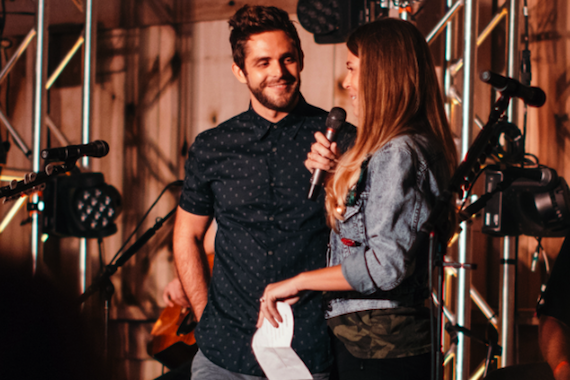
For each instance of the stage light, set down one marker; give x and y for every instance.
(536, 204)
(81, 205)
(330, 20)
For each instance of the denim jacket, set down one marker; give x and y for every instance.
(373, 245)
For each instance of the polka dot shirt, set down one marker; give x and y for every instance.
(249, 174)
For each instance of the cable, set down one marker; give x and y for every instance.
(172, 184)
(101, 261)
(470, 188)
(526, 72)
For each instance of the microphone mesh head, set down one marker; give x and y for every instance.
(336, 118)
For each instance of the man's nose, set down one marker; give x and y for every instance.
(277, 69)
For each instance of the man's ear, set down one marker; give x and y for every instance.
(238, 73)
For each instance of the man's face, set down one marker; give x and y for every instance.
(272, 70)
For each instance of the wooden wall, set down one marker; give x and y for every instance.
(158, 84)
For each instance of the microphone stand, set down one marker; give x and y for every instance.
(103, 282)
(33, 182)
(435, 224)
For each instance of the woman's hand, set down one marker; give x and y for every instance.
(324, 279)
(174, 294)
(286, 291)
(323, 154)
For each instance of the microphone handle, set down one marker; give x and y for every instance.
(319, 175)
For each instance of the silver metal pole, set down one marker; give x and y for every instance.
(85, 123)
(508, 278)
(507, 304)
(449, 50)
(15, 135)
(513, 54)
(479, 301)
(37, 126)
(463, 314)
(446, 18)
(65, 61)
(87, 80)
(21, 49)
(482, 37)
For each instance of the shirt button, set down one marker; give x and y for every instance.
(270, 253)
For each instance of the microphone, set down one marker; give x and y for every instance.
(334, 123)
(532, 96)
(98, 148)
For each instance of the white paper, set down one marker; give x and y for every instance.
(272, 349)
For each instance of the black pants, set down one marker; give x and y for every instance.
(349, 367)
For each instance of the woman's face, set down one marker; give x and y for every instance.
(350, 83)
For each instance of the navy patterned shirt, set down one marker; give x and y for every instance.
(249, 174)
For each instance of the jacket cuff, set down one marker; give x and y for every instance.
(355, 271)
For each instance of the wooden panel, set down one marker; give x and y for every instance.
(548, 131)
(207, 10)
(112, 14)
(218, 95)
(317, 77)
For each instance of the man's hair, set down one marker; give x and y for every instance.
(250, 20)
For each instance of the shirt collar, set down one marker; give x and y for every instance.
(290, 123)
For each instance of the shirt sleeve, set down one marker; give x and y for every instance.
(396, 204)
(196, 197)
(555, 300)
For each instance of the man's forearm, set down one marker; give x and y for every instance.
(190, 258)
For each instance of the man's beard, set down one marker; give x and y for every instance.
(281, 103)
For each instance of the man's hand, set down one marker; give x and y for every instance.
(323, 154)
(174, 294)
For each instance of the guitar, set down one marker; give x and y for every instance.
(173, 342)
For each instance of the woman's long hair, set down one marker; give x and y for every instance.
(398, 94)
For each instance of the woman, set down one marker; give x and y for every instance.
(380, 193)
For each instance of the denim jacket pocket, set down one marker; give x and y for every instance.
(352, 226)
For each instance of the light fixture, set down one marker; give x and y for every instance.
(81, 205)
(536, 204)
(331, 21)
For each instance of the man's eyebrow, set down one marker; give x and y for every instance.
(289, 54)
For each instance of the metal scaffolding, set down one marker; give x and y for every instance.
(41, 85)
(510, 12)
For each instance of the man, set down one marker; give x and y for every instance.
(554, 312)
(249, 173)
